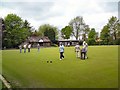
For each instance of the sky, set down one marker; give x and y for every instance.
(59, 12)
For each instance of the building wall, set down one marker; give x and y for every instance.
(44, 44)
(47, 44)
(66, 43)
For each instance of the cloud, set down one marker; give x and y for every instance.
(59, 12)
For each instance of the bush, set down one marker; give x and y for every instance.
(91, 41)
(54, 45)
(110, 43)
(116, 42)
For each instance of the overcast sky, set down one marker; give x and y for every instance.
(59, 12)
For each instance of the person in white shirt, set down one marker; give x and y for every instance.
(77, 50)
(20, 47)
(86, 49)
(38, 46)
(25, 46)
(61, 49)
(29, 46)
(84, 43)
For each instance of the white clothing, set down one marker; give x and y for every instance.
(84, 43)
(25, 46)
(61, 48)
(29, 46)
(77, 48)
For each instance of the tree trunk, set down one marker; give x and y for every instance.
(115, 36)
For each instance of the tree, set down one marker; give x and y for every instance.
(28, 27)
(78, 26)
(1, 30)
(36, 33)
(92, 37)
(97, 36)
(86, 30)
(113, 24)
(16, 31)
(66, 32)
(110, 33)
(92, 33)
(49, 31)
(105, 34)
(118, 30)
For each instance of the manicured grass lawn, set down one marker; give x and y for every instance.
(32, 70)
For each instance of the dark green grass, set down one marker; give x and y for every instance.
(32, 70)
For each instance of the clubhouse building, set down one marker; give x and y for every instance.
(34, 40)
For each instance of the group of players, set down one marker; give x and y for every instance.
(81, 53)
(28, 46)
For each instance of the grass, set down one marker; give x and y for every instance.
(31, 70)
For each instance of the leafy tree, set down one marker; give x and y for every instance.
(28, 27)
(97, 36)
(85, 32)
(118, 30)
(78, 26)
(113, 24)
(66, 32)
(16, 31)
(1, 29)
(36, 33)
(105, 34)
(110, 33)
(92, 33)
(92, 37)
(49, 31)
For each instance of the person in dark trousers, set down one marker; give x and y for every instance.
(25, 46)
(38, 46)
(20, 47)
(61, 49)
(29, 46)
(86, 49)
(83, 53)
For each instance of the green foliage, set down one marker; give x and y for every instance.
(92, 33)
(113, 26)
(66, 32)
(86, 32)
(50, 34)
(91, 41)
(110, 33)
(76, 25)
(92, 37)
(54, 45)
(16, 31)
(105, 34)
(49, 31)
(37, 33)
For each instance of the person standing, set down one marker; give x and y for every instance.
(38, 46)
(61, 49)
(20, 47)
(29, 46)
(84, 43)
(77, 50)
(25, 46)
(83, 52)
(86, 49)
